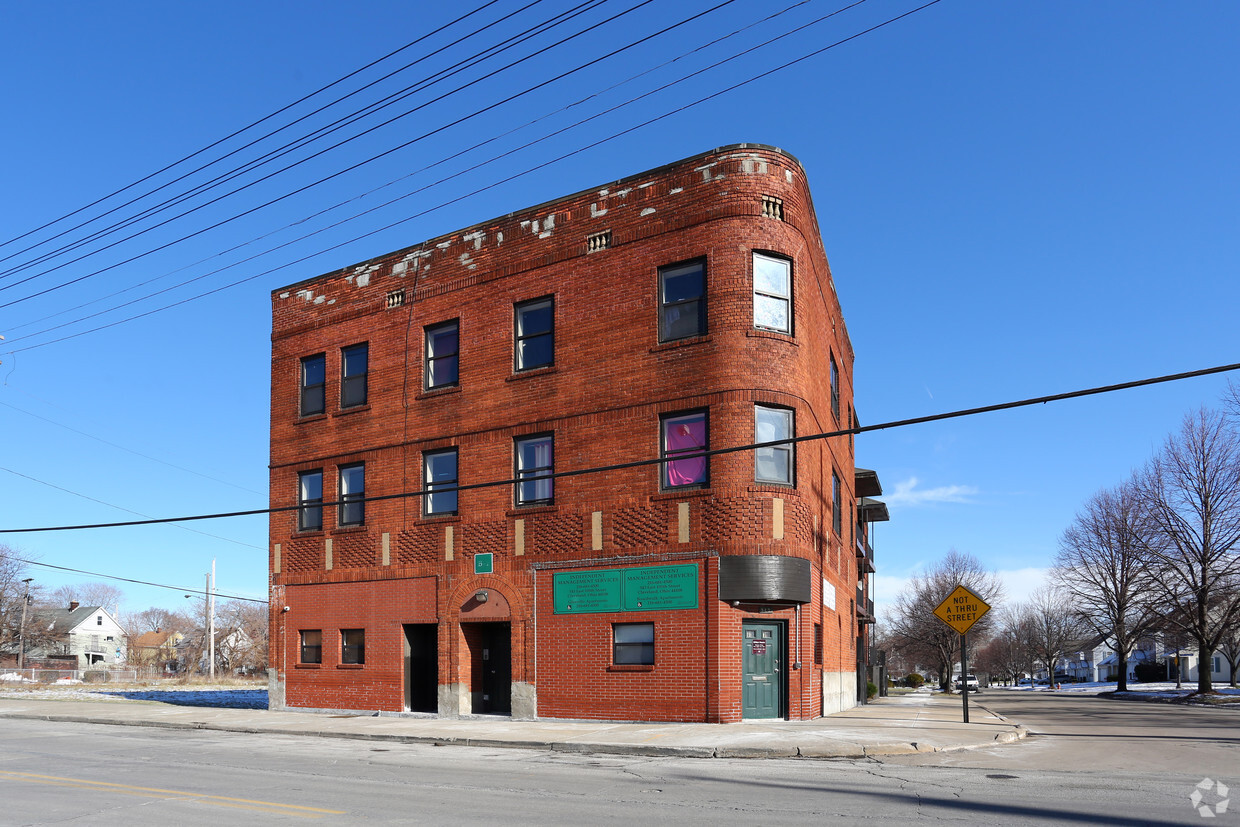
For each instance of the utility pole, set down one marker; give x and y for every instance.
(21, 632)
(211, 615)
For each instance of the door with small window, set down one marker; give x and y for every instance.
(762, 682)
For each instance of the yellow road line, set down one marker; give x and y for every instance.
(156, 792)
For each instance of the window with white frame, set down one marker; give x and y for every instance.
(535, 464)
(772, 293)
(777, 462)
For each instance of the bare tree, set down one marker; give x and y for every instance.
(914, 627)
(12, 595)
(1051, 626)
(1101, 569)
(1191, 492)
(91, 594)
(155, 619)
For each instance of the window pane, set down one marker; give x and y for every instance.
(535, 352)
(773, 464)
(770, 312)
(352, 492)
(311, 646)
(534, 317)
(684, 434)
(770, 275)
(535, 464)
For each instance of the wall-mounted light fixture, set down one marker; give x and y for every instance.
(481, 596)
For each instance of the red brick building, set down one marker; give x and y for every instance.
(429, 407)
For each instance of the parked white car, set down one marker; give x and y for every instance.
(967, 680)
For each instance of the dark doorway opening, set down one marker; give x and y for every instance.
(490, 647)
(422, 667)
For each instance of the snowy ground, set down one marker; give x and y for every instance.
(229, 697)
(1136, 691)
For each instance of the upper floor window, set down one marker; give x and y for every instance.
(353, 370)
(837, 507)
(535, 465)
(535, 334)
(682, 301)
(439, 482)
(353, 494)
(835, 388)
(777, 462)
(310, 500)
(772, 293)
(442, 354)
(313, 382)
(685, 434)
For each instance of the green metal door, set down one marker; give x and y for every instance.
(762, 694)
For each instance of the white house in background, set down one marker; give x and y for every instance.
(1082, 661)
(88, 632)
(1190, 664)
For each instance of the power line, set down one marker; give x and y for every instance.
(182, 589)
(442, 180)
(122, 508)
(298, 143)
(234, 134)
(508, 179)
(319, 153)
(899, 423)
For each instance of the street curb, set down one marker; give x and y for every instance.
(836, 750)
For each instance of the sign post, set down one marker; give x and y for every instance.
(960, 610)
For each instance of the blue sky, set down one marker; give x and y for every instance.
(1017, 199)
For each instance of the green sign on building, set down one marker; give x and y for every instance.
(645, 589)
(484, 563)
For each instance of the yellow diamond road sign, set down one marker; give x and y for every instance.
(961, 609)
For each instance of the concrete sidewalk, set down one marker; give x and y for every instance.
(898, 725)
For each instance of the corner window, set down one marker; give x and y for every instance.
(776, 463)
(535, 465)
(353, 494)
(352, 645)
(353, 370)
(535, 334)
(442, 355)
(682, 301)
(310, 500)
(835, 388)
(772, 293)
(837, 508)
(633, 643)
(311, 646)
(313, 381)
(685, 434)
(439, 482)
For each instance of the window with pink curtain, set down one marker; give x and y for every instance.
(684, 434)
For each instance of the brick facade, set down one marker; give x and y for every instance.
(412, 582)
